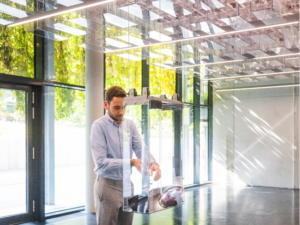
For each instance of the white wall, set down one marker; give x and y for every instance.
(255, 137)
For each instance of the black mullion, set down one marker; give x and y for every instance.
(39, 159)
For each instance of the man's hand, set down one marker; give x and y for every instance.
(137, 163)
(155, 167)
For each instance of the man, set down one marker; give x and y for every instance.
(107, 151)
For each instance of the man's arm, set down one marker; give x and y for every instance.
(99, 152)
(137, 148)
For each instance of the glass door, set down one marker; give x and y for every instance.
(16, 155)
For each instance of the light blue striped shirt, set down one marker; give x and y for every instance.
(107, 146)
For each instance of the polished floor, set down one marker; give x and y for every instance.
(215, 204)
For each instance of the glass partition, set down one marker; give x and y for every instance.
(151, 139)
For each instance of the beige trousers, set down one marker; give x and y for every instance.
(108, 197)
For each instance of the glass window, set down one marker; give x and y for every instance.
(162, 79)
(188, 145)
(12, 152)
(123, 70)
(65, 56)
(187, 85)
(204, 93)
(203, 145)
(16, 50)
(64, 148)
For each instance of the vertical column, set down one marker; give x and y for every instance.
(94, 95)
(177, 123)
(196, 118)
(210, 130)
(38, 124)
(49, 74)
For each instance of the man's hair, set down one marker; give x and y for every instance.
(114, 91)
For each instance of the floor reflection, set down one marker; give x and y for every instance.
(215, 204)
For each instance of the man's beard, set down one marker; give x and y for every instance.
(114, 117)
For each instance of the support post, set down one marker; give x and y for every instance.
(94, 96)
(210, 130)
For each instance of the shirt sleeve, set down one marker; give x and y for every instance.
(99, 152)
(137, 144)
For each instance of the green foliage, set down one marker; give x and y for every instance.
(123, 72)
(69, 105)
(69, 63)
(20, 106)
(69, 58)
(206, 98)
(16, 51)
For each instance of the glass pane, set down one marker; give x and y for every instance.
(12, 152)
(203, 145)
(64, 149)
(124, 69)
(16, 50)
(142, 192)
(188, 145)
(64, 51)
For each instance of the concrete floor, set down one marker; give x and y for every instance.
(215, 204)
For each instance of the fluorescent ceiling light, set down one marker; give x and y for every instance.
(60, 38)
(203, 6)
(165, 6)
(12, 11)
(235, 55)
(20, 2)
(52, 14)
(214, 4)
(115, 43)
(236, 42)
(258, 53)
(69, 3)
(269, 16)
(165, 51)
(159, 36)
(163, 65)
(190, 60)
(237, 23)
(170, 29)
(130, 57)
(151, 55)
(214, 35)
(212, 45)
(136, 10)
(131, 39)
(186, 12)
(186, 33)
(117, 21)
(79, 21)
(209, 28)
(262, 39)
(4, 22)
(281, 50)
(187, 48)
(68, 29)
(261, 87)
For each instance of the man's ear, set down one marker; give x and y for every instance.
(106, 105)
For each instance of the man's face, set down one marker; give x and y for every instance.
(115, 108)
